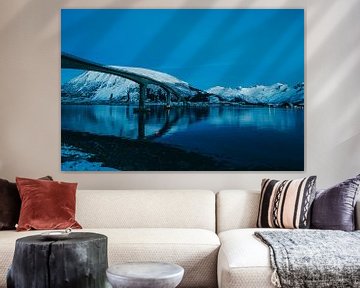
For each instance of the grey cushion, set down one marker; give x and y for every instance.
(334, 208)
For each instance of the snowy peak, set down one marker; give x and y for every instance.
(152, 74)
(276, 94)
(93, 86)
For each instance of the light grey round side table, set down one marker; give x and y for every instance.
(145, 275)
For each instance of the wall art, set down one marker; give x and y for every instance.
(182, 89)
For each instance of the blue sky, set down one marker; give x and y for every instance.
(206, 48)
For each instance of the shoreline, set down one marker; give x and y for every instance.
(111, 153)
(138, 155)
(187, 105)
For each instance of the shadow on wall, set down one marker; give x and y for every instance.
(46, 11)
(324, 40)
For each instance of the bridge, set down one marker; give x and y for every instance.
(134, 74)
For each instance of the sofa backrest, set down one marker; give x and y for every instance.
(236, 209)
(239, 209)
(146, 209)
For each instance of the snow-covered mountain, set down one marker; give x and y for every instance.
(97, 87)
(277, 94)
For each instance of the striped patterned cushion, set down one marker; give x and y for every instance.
(286, 204)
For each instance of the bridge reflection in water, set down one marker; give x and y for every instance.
(169, 120)
(125, 121)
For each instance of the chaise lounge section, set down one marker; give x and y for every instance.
(244, 260)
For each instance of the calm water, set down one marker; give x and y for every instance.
(251, 138)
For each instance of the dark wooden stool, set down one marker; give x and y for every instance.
(78, 261)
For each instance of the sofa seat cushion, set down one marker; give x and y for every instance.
(194, 249)
(244, 261)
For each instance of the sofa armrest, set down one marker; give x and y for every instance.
(357, 215)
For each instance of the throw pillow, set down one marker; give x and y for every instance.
(286, 204)
(46, 204)
(10, 204)
(334, 208)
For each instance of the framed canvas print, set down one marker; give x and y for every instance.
(182, 90)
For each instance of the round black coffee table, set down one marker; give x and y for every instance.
(145, 275)
(80, 260)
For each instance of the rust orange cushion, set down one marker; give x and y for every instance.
(10, 204)
(46, 204)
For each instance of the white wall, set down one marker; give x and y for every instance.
(30, 94)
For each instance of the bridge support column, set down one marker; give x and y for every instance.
(142, 96)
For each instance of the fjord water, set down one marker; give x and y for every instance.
(245, 138)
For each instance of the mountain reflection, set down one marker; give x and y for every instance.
(124, 121)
